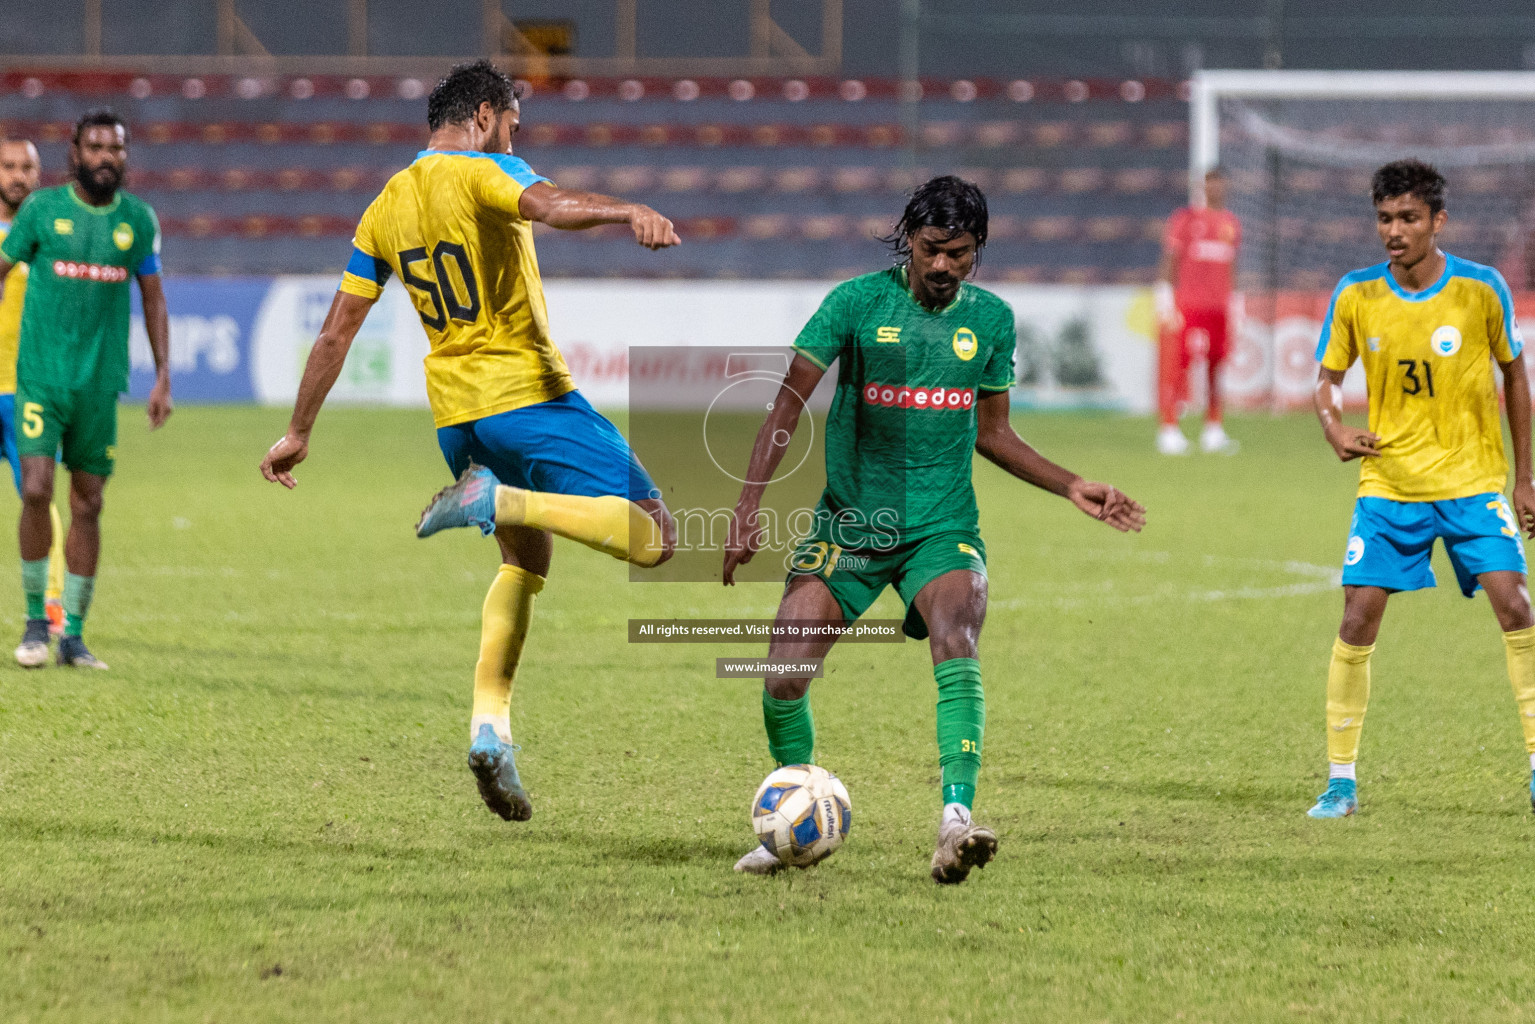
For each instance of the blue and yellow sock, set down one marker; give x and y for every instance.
(610, 524)
(504, 621)
(1348, 697)
(1519, 647)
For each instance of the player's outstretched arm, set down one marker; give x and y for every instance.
(744, 535)
(998, 442)
(1516, 392)
(347, 312)
(157, 324)
(1349, 442)
(570, 210)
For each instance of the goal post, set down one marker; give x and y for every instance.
(1298, 149)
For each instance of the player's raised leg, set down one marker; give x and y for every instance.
(635, 531)
(504, 622)
(953, 606)
(35, 537)
(1348, 697)
(786, 702)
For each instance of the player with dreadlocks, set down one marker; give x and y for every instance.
(925, 361)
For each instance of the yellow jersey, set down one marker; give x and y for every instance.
(1428, 368)
(449, 226)
(10, 319)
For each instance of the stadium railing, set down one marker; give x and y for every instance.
(766, 177)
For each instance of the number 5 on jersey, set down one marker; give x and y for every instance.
(32, 419)
(442, 290)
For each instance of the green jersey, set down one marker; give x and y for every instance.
(901, 431)
(74, 328)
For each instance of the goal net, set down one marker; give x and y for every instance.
(1298, 149)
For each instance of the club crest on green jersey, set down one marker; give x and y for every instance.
(1446, 340)
(122, 236)
(965, 344)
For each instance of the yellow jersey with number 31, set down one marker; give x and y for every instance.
(1427, 359)
(449, 226)
(10, 319)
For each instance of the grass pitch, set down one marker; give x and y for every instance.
(262, 812)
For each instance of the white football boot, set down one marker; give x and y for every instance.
(1170, 441)
(759, 862)
(1213, 440)
(33, 650)
(962, 845)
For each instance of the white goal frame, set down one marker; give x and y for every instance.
(1208, 88)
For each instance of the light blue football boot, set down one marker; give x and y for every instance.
(1532, 791)
(495, 770)
(469, 501)
(1340, 800)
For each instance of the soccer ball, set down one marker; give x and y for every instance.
(801, 814)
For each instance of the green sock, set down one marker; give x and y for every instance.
(77, 601)
(961, 726)
(790, 729)
(34, 583)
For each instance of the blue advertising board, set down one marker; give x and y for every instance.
(213, 326)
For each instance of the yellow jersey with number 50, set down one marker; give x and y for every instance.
(449, 226)
(1428, 359)
(10, 319)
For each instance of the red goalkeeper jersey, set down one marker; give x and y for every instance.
(1203, 244)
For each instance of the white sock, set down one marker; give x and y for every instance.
(1346, 771)
(1532, 762)
(955, 812)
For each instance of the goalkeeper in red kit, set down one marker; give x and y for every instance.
(1194, 300)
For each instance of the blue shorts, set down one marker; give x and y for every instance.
(562, 446)
(8, 436)
(1389, 542)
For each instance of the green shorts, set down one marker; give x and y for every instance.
(80, 424)
(857, 577)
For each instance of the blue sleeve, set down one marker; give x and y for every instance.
(1494, 280)
(1332, 305)
(518, 170)
(1506, 300)
(148, 265)
(369, 268)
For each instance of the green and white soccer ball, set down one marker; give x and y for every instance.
(801, 814)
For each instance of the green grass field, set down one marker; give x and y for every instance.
(262, 812)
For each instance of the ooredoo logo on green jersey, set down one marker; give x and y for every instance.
(899, 396)
(90, 272)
